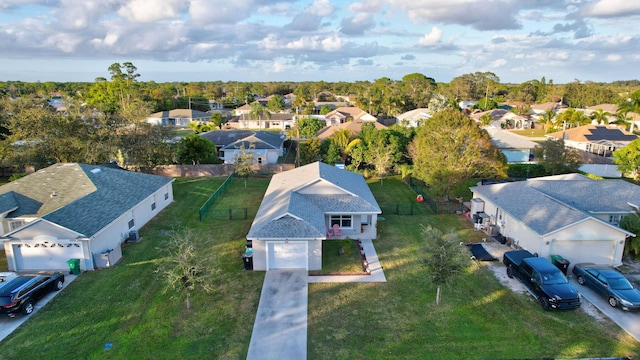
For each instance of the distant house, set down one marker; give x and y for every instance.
(501, 118)
(178, 117)
(570, 215)
(280, 121)
(349, 113)
(354, 127)
(266, 146)
(596, 139)
(516, 148)
(413, 118)
(540, 109)
(68, 211)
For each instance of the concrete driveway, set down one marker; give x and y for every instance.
(280, 328)
(8, 325)
(629, 321)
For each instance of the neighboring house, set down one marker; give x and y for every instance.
(354, 127)
(465, 105)
(571, 215)
(281, 121)
(242, 110)
(266, 146)
(595, 139)
(302, 207)
(539, 109)
(348, 113)
(331, 104)
(178, 117)
(71, 210)
(413, 118)
(516, 148)
(501, 118)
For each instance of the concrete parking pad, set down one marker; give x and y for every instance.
(280, 327)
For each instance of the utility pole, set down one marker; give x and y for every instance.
(297, 162)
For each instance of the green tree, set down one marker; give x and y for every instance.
(310, 151)
(194, 149)
(184, 268)
(419, 89)
(325, 109)
(630, 106)
(631, 223)
(628, 159)
(333, 153)
(437, 103)
(258, 112)
(556, 158)
(572, 117)
(444, 257)
(450, 149)
(547, 120)
(216, 120)
(601, 116)
(243, 163)
(275, 104)
(309, 127)
(485, 119)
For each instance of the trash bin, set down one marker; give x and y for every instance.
(74, 266)
(560, 262)
(248, 261)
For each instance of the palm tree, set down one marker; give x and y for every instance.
(485, 119)
(547, 120)
(601, 116)
(257, 111)
(630, 106)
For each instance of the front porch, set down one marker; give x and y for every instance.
(365, 231)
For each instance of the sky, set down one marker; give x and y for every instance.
(314, 40)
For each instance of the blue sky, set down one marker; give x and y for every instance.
(330, 40)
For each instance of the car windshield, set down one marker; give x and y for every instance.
(553, 278)
(620, 284)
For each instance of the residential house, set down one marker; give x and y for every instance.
(539, 109)
(76, 211)
(571, 215)
(348, 113)
(595, 139)
(280, 121)
(504, 119)
(413, 118)
(306, 206)
(178, 117)
(266, 146)
(516, 148)
(354, 128)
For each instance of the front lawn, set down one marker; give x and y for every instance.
(126, 306)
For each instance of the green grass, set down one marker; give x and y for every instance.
(478, 318)
(336, 262)
(538, 131)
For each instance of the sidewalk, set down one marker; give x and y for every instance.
(377, 274)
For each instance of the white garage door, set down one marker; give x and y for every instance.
(289, 255)
(576, 251)
(55, 257)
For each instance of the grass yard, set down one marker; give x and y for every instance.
(126, 305)
(336, 262)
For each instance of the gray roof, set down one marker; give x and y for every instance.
(225, 137)
(292, 209)
(259, 140)
(79, 197)
(503, 139)
(181, 113)
(546, 206)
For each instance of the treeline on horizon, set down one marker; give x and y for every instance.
(382, 97)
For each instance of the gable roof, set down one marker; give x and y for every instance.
(82, 198)
(290, 210)
(354, 127)
(259, 140)
(546, 206)
(351, 111)
(507, 140)
(594, 133)
(415, 114)
(225, 137)
(181, 113)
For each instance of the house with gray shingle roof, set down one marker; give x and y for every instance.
(71, 210)
(266, 146)
(516, 148)
(572, 216)
(304, 207)
(178, 117)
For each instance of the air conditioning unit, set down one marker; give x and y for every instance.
(133, 236)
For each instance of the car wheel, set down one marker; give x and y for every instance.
(510, 272)
(544, 303)
(59, 285)
(613, 302)
(28, 307)
(580, 279)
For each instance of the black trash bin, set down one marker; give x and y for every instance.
(561, 263)
(248, 261)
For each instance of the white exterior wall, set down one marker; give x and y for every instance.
(260, 254)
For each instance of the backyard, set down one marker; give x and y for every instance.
(127, 307)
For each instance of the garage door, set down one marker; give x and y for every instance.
(598, 252)
(53, 257)
(287, 255)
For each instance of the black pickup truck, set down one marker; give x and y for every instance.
(543, 280)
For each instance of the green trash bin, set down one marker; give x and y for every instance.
(555, 258)
(74, 266)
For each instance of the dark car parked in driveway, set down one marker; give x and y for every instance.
(609, 283)
(22, 293)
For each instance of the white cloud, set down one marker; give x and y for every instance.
(367, 6)
(498, 63)
(330, 43)
(321, 8)
(206, 12)
(146, 11)
(614, 57)
(608, 8)
(431, 39)
(64, 41)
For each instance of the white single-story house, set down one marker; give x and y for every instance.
(178, 117)
(596, 139)
(266, 146)
(76, 211)
(304, 207)
(348, 113)
(569, 215)
(516, 148)
(413, 118)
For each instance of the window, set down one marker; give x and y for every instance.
(153, 206)
(15, 224)
(166, 196)
(615, 219)
(344, 221)
(259, 160)
(131, 224)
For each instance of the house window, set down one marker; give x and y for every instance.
(166, 196)
(15, 224)
(131, 224)
(153, 206)
(259, 160)
(344, 221)
(615, 219)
